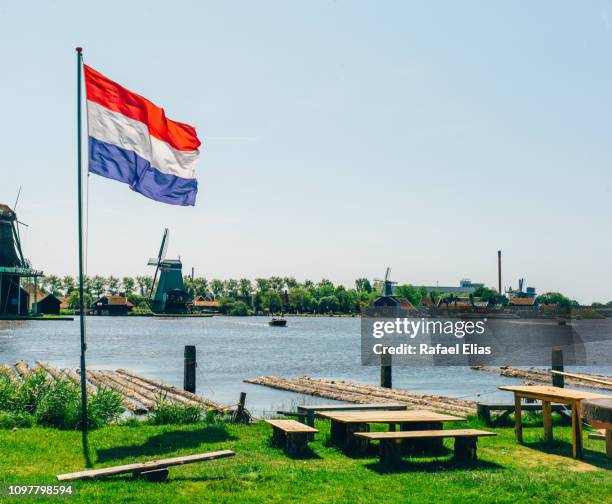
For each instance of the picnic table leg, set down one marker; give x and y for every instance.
(296, 443)
(337, 432)
(547, 415)
(278, 437)
(352, 441)
(608, 435)
(390, 451)
(415, 446)
(518, 420)
(576, 430)
(310, 418)
(465, 449)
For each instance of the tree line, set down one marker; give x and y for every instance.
(272, 295)
(237, 296)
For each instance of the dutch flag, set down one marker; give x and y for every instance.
(131, 140)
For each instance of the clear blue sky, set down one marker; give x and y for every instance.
(340, 137)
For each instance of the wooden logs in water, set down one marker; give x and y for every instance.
(545, 376)
(176, 390)
(9, 371)
(22, 368)
(361, 393)
(101, 380)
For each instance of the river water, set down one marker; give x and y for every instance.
(232, 348)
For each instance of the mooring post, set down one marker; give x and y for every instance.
(189, 378)
(242, 400)
(557, 365)
(385, 371)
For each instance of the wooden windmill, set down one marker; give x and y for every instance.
(168, 294)
(14, 300)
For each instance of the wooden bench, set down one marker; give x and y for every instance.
(291, 435)
(483, 410)
(155, 470)
(391, 442)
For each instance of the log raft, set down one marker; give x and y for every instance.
(545, 376)
(341, 390)
(139, 394)
(9, 371)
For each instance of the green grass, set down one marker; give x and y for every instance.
(506, 472)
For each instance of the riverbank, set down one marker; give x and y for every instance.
(506, 471)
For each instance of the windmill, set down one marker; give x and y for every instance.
(387, 285)
(14, 300)
(386, 298)
(168, 294)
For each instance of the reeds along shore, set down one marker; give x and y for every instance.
(140, 394)
(361, 393)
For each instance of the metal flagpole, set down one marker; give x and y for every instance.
(79, 52)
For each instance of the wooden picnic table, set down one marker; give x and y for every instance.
(311, 409)
(345, 423)
(548, 395)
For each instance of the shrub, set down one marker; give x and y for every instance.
(166, 412)
(104, 407)
(8, 420)
(54, 403)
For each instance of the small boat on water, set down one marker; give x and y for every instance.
(278, 322)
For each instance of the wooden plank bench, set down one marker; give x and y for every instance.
(312, 409)
(152, 470)
(291, 435)
(391, 442)
(483, 410)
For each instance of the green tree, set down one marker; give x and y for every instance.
(329, 304)
(555, 298)
(144, 285)
(216, 288)
(68, 284)
(410, 292)
(231, 288)
(54, 285)
(347, 299)
(98, 286)
(363, 285)
(300, 299)
(245, 287)
(73, 299)
(114, 284)
(271, 302)
(239, 309)
(290, 282)
(325, 288)
(201, 286)
(486, 294)
(277, 283)
(263, 284)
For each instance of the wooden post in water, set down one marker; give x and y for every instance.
(385, 371)
(557, 365)
(189, 377)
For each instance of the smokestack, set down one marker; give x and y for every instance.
(499, 273)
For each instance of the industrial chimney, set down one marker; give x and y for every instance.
(499, 273)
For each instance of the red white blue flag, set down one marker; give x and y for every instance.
(131, 140)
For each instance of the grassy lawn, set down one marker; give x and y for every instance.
(506, 472)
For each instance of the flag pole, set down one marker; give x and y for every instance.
(79, 52)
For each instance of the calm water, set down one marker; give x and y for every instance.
(230, 349)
